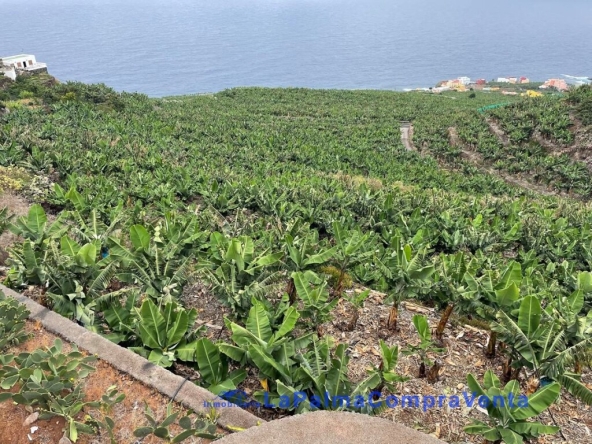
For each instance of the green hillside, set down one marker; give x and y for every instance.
(489, 215)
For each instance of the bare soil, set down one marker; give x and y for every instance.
(18, 206)
(498, 132)
(128, 416)
(464, 354)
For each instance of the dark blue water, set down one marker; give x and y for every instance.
(167, 47)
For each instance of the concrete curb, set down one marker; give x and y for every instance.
(160, 379)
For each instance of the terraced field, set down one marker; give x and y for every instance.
(275, 203)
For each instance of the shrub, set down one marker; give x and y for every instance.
(26, 95)
(13, 178)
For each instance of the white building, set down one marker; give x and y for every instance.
(8, 71)
(21, 62)
(464, 80)
(503, 80)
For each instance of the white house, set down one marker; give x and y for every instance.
(464, 80)
(21, 62)
(503, 80)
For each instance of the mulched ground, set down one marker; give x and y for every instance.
(463, 355)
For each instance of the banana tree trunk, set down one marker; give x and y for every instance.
(444, 321)
(351, 326)
(320, 331)
(490, 351)
(422, 370)
(507, 371)
(578, 366)
(434, 373)
(393, 318)
(291, 290)
(516, 374)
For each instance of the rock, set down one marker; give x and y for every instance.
(31, 419)
(64, 440)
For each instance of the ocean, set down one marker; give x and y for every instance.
(175, 47)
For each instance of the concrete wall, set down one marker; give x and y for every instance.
(9, 72)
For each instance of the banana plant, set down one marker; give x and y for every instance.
(509, 411)
(237, 274)
(167, 333)
(272, 351)
(304, 255)
(35, 227)
(322, 374)
(357, 302)
(496, 293)
(27, 260)
(77, 279)
(120, 320)
(569, 312)
(315, 298)
(213, 368)
(452, 287)
(351, 249)
(425, 349)
(154, 263)
(538, 342)
(387, 369)
(406, 274)
(5, 219)
(93, 229)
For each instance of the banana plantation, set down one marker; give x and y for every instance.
(280, 201)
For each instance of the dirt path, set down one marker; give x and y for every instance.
(495, 129)
(580, 150)
(477, 160)
(407, 136)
